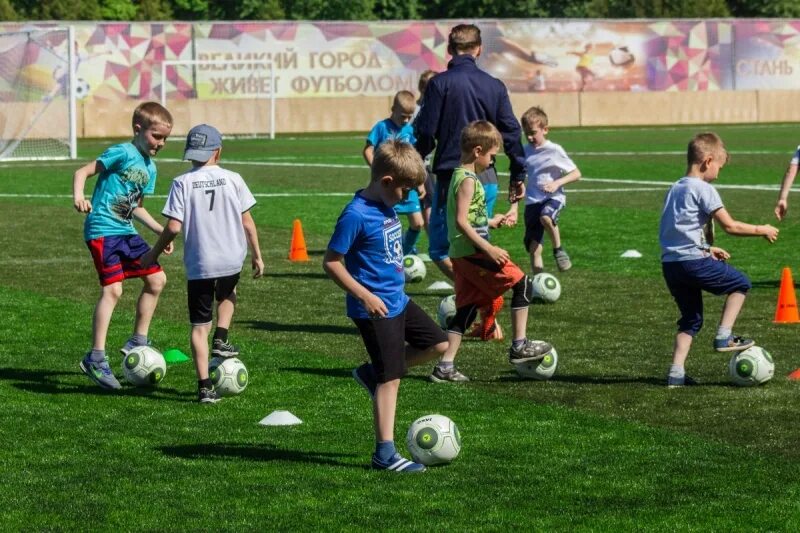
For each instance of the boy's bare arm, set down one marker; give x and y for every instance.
(783, 197)
(734, 227)
(332, 263)
(79, 201)
(164, 242)
(369, 153)
(251, 234)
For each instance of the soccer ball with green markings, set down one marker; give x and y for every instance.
(144, 366)
(751, 367)
(414, 268)
(229, 375)
(446, 310)
(546, 287)
(542, 369)
(433, 440)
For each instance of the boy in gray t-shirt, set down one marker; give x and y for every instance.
(689, 262)
(211, 206)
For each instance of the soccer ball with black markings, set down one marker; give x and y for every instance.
(414, 268)
(433, 440)
(751, 367)
(446, 310)
(229, 375)
(144, 366)
(542, 369)
(546, 287)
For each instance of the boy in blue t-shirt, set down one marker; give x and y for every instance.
(127, 173)
(396, 332)
(689, 262)
(398, 126)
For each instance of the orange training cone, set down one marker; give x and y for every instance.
(794, 375)
(786, 312)
(297, 250)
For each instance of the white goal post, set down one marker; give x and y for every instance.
(38, 94)
(232, 95)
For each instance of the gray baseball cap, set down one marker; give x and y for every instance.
(201, 143)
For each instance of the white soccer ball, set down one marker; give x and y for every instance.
(229, 375)
(82, 88)
(413, 268)
(446, 310)
(621, 56)
(751, 367)
(542, 369)
(144, 366)
(433, 440)
(546, 287)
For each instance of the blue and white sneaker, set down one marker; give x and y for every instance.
(397, 463)
(99, 372)
(733, 343)
(365, 376)
(685, 381)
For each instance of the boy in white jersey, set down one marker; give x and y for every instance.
(788, 179)
(211, 206)
(690, 264)
(549, 168)
(127, 173)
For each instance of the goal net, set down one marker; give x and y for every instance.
(237, 97)
(37, 100)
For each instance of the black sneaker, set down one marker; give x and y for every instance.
(224, 349)
(529, 351)
(208, 396)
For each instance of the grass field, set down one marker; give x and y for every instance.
(603, 446)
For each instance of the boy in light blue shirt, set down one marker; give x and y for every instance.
(398, 126)
(126, 173)
(689, 262)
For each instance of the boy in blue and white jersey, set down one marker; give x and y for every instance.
(396, 332)
(689, 262)
(549, 168)
(126, 174)
(211, 206)
(398, 126)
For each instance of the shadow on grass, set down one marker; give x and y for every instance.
(766, 284)
(328, 372)
(590, 380)
(301, 328)
(48, 382)
(264, 452)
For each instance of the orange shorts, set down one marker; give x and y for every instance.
(479, 280)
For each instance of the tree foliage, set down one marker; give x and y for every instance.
(143, 10)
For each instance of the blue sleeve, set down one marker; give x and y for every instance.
(346, 232)
(512, 132)
(150, 188)
(376, 135)
(427, 121)
(114, 158)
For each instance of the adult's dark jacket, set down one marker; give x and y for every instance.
(460, 95)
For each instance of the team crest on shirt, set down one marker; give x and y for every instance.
(393, 241)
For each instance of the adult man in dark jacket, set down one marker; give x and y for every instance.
(453, 99)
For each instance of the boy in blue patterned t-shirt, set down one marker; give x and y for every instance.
(396, 332)
(127, 173)
(398, 126)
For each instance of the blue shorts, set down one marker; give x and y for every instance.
(534, 230)
(409, 205)
(438, 243)
(686, 281)
(116, 258)
(490, 190)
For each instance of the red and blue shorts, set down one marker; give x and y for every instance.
(116, 257)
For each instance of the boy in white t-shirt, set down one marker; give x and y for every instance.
(689, 262)
(788, 179)
(211, 206)
(549, 168)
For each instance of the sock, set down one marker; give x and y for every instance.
(446, 365)
(205, 384)
(676, 371)
(221, 334)
(98, 356)
(385, 449)
(410, 240)
(723, 333)
(518, 343)
(139, 340)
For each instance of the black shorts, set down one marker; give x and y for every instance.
(386, 338)
(201, 294)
